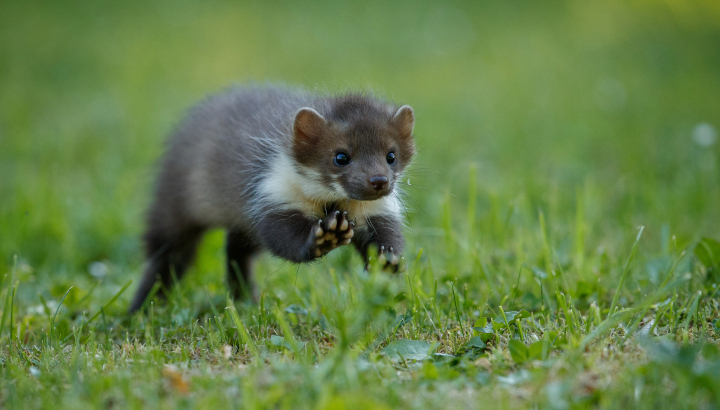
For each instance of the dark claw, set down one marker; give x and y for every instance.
(335, 230)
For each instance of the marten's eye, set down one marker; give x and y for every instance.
(390, 158)
(341, 159)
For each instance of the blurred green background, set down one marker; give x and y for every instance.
(608, 108)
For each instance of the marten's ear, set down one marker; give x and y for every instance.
(404, 121)
(309, 125)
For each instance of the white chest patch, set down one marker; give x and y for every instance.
(285, 188)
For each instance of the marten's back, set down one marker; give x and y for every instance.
(218, 154)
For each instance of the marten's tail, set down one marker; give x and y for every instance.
(168, 256)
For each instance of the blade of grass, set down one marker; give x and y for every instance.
(102, 308)
(7, 295)
(517, 285)
(12, 309)
(247, 340)
(624, 314)
(287, 332)
(625, 272)
(52, 324)
(692, 312)
(579, 229)
(545, 244)
(472, 198)
(457, 309)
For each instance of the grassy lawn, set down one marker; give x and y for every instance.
(563, 212)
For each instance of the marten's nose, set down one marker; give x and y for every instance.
(379, 182)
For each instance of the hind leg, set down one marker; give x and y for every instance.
(168, 256)
(240, 249)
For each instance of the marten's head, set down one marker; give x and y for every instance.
(357, 148)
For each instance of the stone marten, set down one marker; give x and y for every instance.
(284, 170)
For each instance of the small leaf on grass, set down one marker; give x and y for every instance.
(555, 338)
(297, 309)
(407, 349)
(518, 351)
(442, 357)
(540, 274)
(480, 323)
(483, 329)
(482, 326)
(708, 252)
(667, 352)
(521, 353)
(324, 324)
(664, 303)
(535, 350)
(281, 342)
(710, 352)
(516, 378)
(476, 342)
(402, 320)
(522, 314)
(499, 322)
(430, 371)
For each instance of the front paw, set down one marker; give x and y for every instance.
(390, 261)
(335, 230)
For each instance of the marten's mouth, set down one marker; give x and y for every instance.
(370, 195)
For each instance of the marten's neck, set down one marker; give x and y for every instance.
(290, 186)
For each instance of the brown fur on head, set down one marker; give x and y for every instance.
(367, 132)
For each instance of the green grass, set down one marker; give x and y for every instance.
(556, 211)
